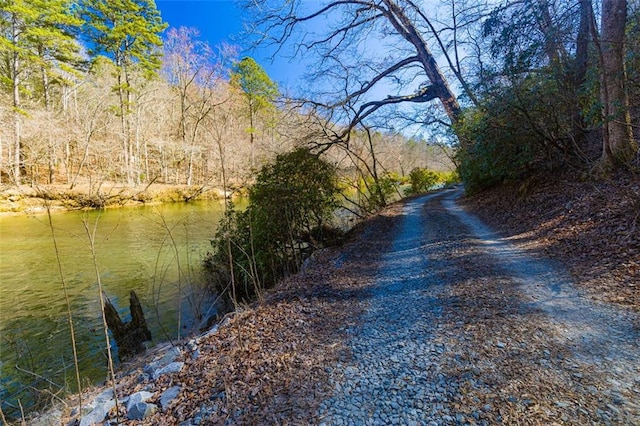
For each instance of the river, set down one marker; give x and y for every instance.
(155, 250)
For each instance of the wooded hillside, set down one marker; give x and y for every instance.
(96, 92)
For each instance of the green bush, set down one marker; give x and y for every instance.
(422, 180)
(381, 190)
(520, 128)
(289, 206)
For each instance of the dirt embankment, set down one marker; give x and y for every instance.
(29, 199)
(591, 226)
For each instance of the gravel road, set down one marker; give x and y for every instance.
(463, 327)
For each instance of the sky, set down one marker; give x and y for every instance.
(220, 21)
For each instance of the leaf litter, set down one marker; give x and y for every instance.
(270, 363)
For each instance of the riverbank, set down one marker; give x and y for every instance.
(499, 348)
(34, 200)
(267, 360)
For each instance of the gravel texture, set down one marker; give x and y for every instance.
(462, 327)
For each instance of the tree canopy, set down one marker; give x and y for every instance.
(542, 73)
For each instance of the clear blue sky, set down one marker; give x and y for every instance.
(220, 21)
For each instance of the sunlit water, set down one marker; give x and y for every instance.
(156, 251)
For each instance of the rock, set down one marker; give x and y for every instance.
(174, 367)
(213, 330)
(137, 398)
(104, 396)
(167, 359)
(52, 418)
(171, 355)
(192, 345)
(98, 413)
(168, 396)
(141, 410)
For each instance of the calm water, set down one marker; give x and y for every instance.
(156, 251)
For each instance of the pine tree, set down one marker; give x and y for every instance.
(128, 33)
(258, 90)
(35, 39)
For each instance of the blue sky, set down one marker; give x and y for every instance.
(220, 21)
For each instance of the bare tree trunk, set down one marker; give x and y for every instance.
(581, 64)
(407, 29)
(252, 137)
(552, 46)
(17, 142)
(128, 335)
(618, 144)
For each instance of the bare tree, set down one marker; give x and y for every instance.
(191, 71)
(367, 75)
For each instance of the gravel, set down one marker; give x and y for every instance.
(462, 327)
(394, 376)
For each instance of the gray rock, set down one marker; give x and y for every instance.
(104, 396)
(98, 413)
(167, 359)
(174, 367)
(168, 396)
(52, 418)
(141, 410)
(137, 398)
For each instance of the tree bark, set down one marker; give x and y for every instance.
(405, 27)
(15, 74)
(580, 67)
(618, 145)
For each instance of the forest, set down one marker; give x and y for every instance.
(98, 92)
(519, 86)
(96, 95)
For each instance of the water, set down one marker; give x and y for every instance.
(156, 251)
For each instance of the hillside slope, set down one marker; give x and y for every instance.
(593, 227)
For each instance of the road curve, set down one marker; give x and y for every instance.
(463, 327)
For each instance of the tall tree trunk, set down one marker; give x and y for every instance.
(618, 144)
(15, 74)
(252, 138)
(405, 27)
(553, 47)
(47, 106)
(580, 66)
(123, 128)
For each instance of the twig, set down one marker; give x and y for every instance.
(53, 395)
(91, 235)
(23, 420)
(36, 375)
(3, 418)
(68, 303)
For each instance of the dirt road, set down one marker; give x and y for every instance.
(463, 327)
(426, 317)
